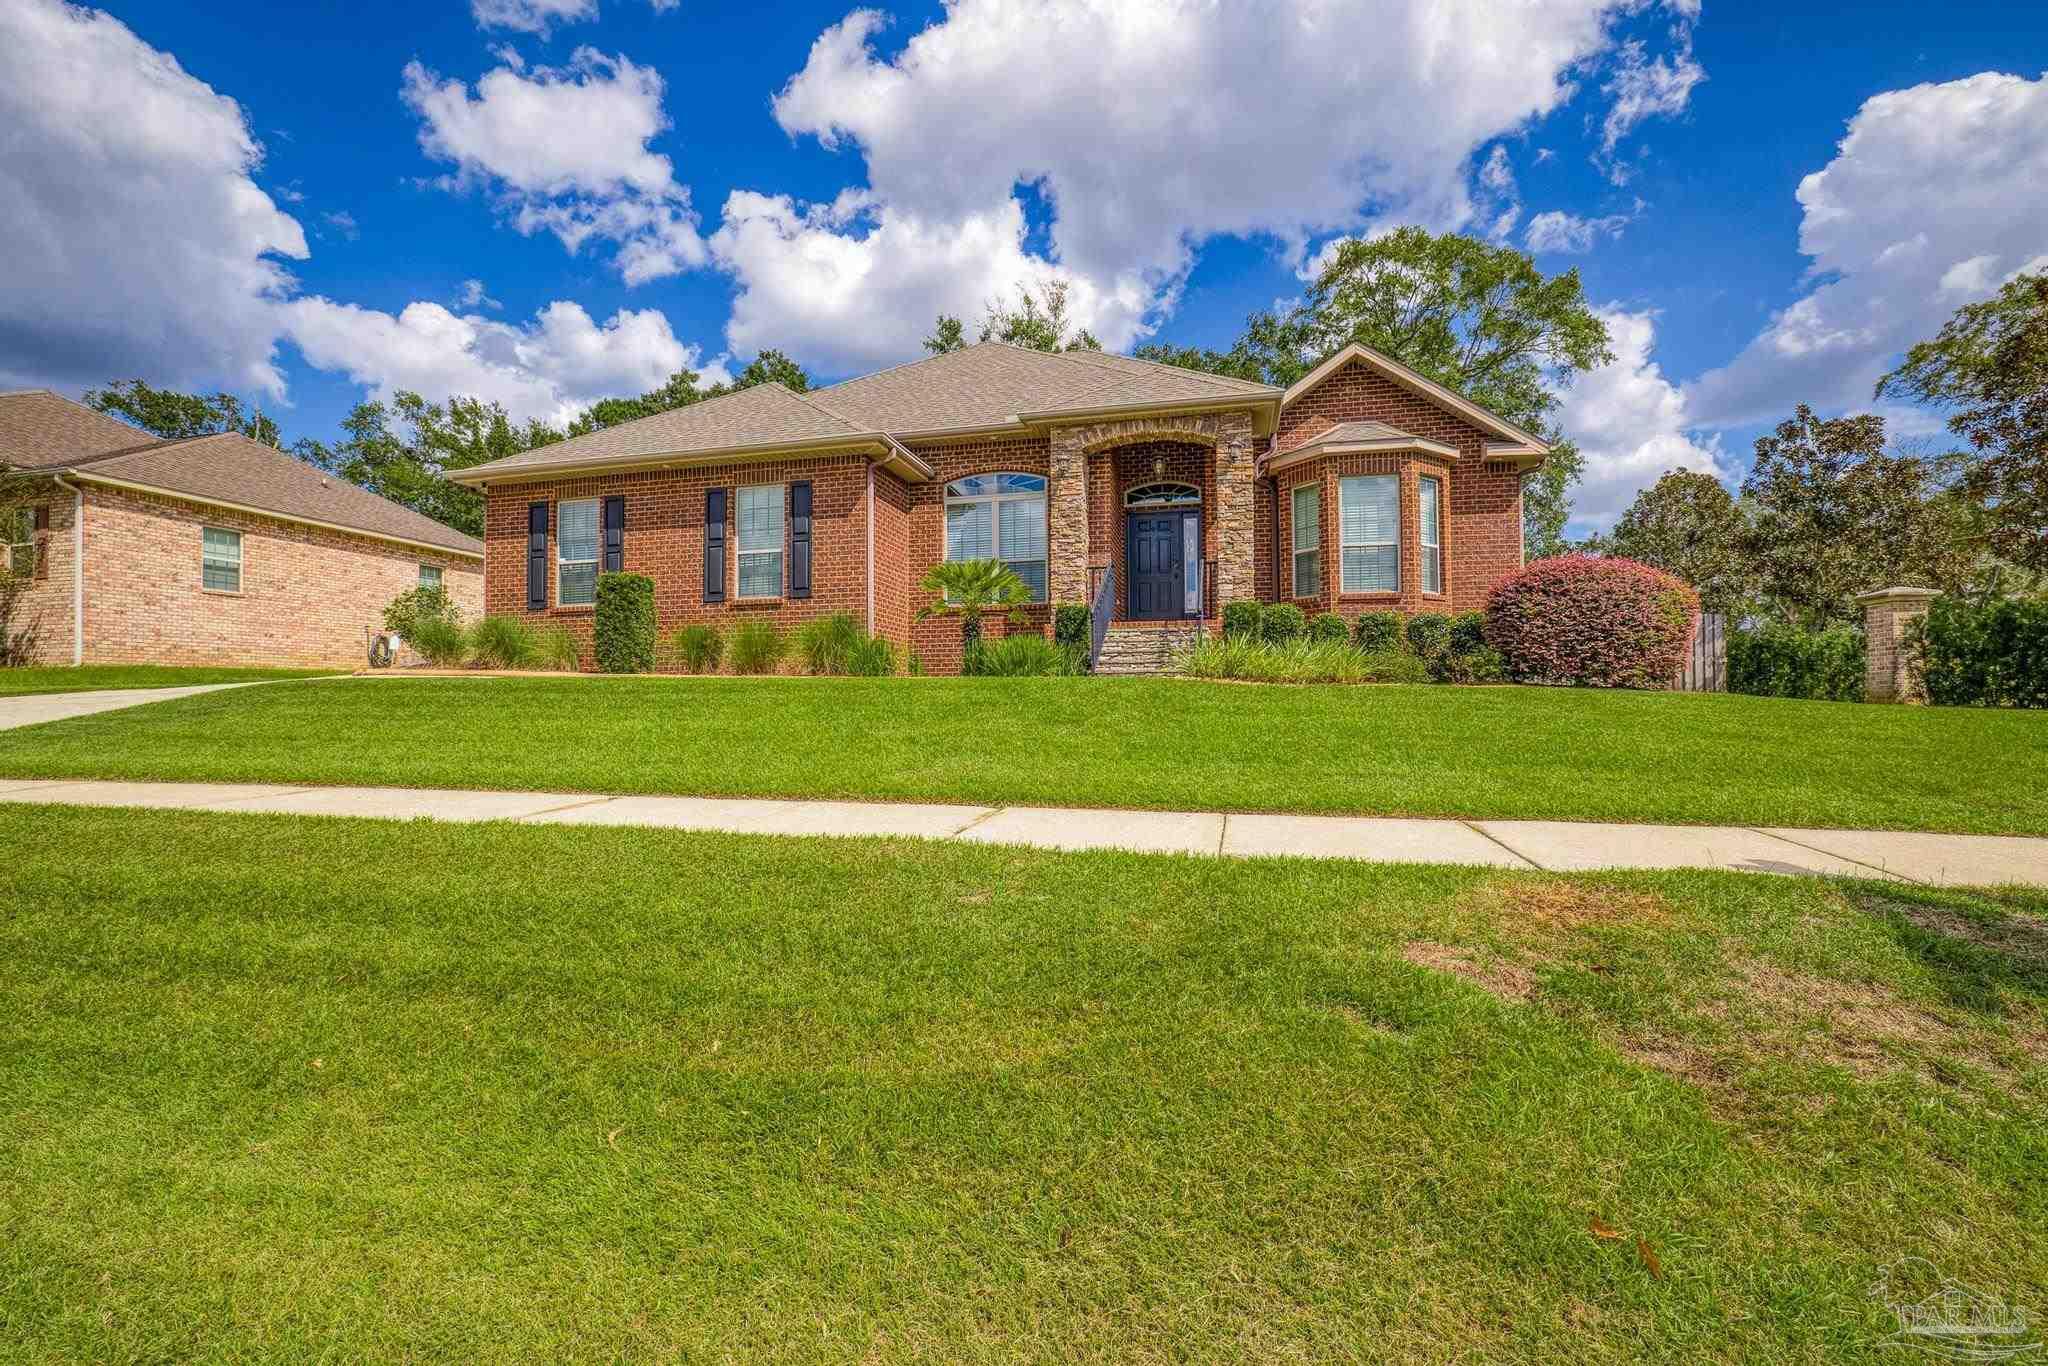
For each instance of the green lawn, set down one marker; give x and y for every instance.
(91, 677)
(1534, 753)
(277, 1088)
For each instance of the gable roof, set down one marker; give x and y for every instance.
(42, 431)
(1349, 437)
(762, 418)
(1513, 441)
(990, 386)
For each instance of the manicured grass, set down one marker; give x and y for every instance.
(277, 1088)
(91, 677)
(1532, 753)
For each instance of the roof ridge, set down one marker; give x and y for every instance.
(1224, 381)
(816, 407)
(904, 365)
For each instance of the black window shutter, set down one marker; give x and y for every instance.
(615, 535)
(42, 516)
(714, 545)
(42, 545)
(800, 539)
(536, 557)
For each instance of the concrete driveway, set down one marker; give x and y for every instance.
(37, 708)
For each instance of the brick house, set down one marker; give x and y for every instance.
(210, 550)
(1155, 492)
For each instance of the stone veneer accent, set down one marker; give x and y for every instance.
(1228, 434)
(1887, 612)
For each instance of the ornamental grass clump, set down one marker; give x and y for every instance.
(503, 643)
(555, 649)
(440, 642)
(1592, 621)
(697, 649)
(828, 643)
(1298, 661)
(757, 648)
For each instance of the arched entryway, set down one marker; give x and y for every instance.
(1163, 551)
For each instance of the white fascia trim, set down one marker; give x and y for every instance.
(85, 476)
(1382, 447)
(1420, 384)
(892, 453)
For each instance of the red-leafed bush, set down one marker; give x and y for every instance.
(1593, 621)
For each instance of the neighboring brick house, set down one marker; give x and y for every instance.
(1159, 492)
(210, 550)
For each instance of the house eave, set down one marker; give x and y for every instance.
(1425, 387)
(1312, 449)
(86, 476)
(1265, 411)
(884, 449)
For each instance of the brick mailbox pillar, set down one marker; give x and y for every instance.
(1886, 614)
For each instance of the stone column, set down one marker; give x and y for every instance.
(1067, 511)
(1886, 614)
(1235, 468)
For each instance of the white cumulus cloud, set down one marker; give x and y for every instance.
(1630, 423)
(1564, 232)
(565, 150)
(551, 367)
(136, 241)
(1933, 199)
(540, 16)
(1295, 121)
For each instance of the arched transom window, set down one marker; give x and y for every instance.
(1000, 517)
(1163, 496)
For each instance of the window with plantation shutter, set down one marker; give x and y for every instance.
(1308, 542)
(1431, 520)
(576, 553)
(1000, 517)
(1369, 519)
(760, 541)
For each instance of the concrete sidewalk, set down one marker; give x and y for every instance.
(32, 709)
(1558, 846)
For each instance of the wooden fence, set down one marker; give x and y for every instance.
(1706, 669)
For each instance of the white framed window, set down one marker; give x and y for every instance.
(1369, 518)
(1308, 540)
(760, 541)
(430, 576)
(220, 560)
(1431, 521)
(1000, 517)
(576, 553)
(18, 541)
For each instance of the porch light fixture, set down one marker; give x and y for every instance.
(1158, 466)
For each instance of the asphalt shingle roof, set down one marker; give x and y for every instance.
(40, 430)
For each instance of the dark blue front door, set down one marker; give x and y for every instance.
(1155, 559)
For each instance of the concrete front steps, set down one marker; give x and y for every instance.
(1146, 647)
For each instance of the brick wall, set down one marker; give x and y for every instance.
(47, 603)
(1484, 515)
(937, 639)
(665, 540)
(308, 596)
(1324, 474)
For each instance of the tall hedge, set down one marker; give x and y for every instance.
(623, 627)
(1777, 660)
(1594, 621)
(1991, 654)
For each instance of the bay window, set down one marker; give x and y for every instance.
(1369, 518)
(1308, 543)
(1432, 535)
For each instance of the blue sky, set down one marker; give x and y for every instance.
(292, 201)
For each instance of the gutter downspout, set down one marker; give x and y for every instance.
(77, 569)
(871, 547)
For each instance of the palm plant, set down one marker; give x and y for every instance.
(974, 588)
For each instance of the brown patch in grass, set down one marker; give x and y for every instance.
(1678, 1058)
(1509, 981)
(1520, 905)
(2018, 937)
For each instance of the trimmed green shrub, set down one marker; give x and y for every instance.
(757, 648)
(1591, 620)
(1243, 618)
(825, 643)
(1299, 661)
(1378, 632)
(697, 649)
(1328, 626)
(1468, 633)
(555, 648)
(1280, 622)
(405, 612)
(443, 644)
(623, 627)
(503, 643)
(1020, 656)
(1777, 660)
(1070, 625)
(1429, 633)
(1992, 654)
(874, 657)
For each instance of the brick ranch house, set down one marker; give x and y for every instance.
(210, 550)
(1153, 492)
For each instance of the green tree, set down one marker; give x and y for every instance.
(1688, 524)
(406, 450)
(1990, 364)
(1834, 514)
(1236, 363)
(1038, 322)
(175, 416)
(1477, 318)
(682, 389)
(769, 366)
(947, 336)
(974, 589)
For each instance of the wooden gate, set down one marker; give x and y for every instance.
(1706, 669)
